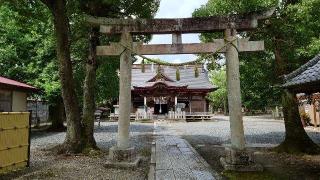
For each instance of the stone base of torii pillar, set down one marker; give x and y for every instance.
(239, 160)
(123, 158)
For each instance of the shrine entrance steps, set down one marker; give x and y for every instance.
(175, 159)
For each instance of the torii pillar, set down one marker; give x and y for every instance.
(122, 152)
(234, 92)
(237, 157)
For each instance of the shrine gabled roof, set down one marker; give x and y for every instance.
(12, 84)
(309, 73)
(160, 76)
(187, 78)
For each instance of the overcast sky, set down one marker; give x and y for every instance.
(177, 9)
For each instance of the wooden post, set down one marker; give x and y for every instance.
(234, 93)
(29, 137)
(315, 113)
(190, 100)
(319, 112)
(175, 103)
(145, 106)
(125, 93)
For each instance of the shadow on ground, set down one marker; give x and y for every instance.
(141, 128)
(277, 165)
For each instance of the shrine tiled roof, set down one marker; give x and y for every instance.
(9, 83)
(187, 78)
(306, 74)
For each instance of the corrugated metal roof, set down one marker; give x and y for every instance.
(16, 84)
(187, 78)
(308, 73)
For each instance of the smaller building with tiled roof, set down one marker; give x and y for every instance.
(306, 79)
(306, 82)
(13, 95)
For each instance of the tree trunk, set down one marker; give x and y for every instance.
(280, 68)
(225, 107)
(296, 138)
(89, 91)
(57, 116)
(72, 141)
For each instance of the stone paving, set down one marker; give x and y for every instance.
(175, 159)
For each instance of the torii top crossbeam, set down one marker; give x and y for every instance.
(179, 25)
(176, 27)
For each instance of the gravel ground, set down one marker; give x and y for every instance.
(105, 136)
(258, 130)
(45, 165)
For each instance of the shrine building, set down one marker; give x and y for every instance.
(159, 91)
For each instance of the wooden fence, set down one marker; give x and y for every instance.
(14, 140)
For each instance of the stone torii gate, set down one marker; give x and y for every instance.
(237, 158)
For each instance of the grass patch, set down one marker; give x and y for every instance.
(265, 175)
(93, 153)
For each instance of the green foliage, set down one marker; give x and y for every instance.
(218, 97)
(107, 80)
(120, 8)
(27, 50)
(257, 81)
(228, 7)
(303, 17)
(27, 44)
(291, 38)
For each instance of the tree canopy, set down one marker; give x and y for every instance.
(291, 38)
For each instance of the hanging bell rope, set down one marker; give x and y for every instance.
(196, 71)
(177, 74)
(143, 69)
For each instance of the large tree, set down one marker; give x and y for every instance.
(101, 8)
(291, 37)
(80, 135)
(296, 138)
(61, 23)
